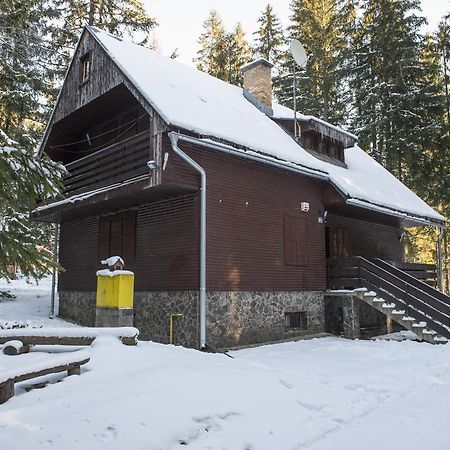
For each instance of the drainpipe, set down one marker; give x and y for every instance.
(440, 265)
(174, 138)
(55, 260)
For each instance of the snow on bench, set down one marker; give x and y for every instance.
(68, 336)
(71, 362)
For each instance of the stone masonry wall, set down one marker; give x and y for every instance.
(240, 318)
(233, 318)
(78, 307)
(152, 312)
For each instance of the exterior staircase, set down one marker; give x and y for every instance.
(413, 304)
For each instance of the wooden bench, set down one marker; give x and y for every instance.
(70, 362)
(63, 336)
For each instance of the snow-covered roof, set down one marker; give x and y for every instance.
(187, 98)
(282, 112)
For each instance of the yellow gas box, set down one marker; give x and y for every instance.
(115, 289)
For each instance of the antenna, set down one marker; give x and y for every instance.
(300, 57)
(298, 53)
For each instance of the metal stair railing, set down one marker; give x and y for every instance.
(427, 303)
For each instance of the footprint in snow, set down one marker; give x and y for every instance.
(286, 384)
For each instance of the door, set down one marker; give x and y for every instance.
(337, 242)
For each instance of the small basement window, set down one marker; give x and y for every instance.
(85, 67)
(297, 320)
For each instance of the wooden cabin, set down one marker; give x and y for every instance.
(135, 130)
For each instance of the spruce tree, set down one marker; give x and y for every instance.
(323, 28)
(211, 41)
(269, 38)
(238, 54)
(397, 99)
(24, 179)
(222, 54)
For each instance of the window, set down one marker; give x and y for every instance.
(117, 236)
(297, 320)
(296, 241)
(85, 67)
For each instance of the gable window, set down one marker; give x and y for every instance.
(297, 319)
(296, 241)
(85, 67)
(117, 236)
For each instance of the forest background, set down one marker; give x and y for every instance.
(375, 69)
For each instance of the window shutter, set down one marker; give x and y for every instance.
(296, 241)
(302, 241)
(129, 236)
(103, 238)
(116, 235)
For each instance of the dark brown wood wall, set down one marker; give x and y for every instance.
(78, 255)
(166, 248)
(369, 239)
(247, 204)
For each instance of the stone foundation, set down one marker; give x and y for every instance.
(350, 317)
(240, 318)
(152, 312)
(233, 318)
(78, 307)
(114, 317)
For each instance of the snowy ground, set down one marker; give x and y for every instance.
(324, 394)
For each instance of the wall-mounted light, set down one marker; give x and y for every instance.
(304, 206)
(152, 165)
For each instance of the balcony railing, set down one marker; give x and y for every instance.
(114, 164)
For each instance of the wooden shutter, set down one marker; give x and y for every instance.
(116, 235)
(302, 241)
(129, 236)
(290, 241)
(296, 241)
(103, 238)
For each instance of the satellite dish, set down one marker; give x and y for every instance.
(298, 53)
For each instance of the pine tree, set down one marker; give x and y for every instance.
(210, 55)
(222, 54)
(23, 178)
(396, 96)
(269, 38)
(323, 28)
(238, 54)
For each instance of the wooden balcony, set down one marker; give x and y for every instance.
(119, 162)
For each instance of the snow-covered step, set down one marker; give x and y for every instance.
(370, 294)
(388, 306)
(378, 300)
(398, 312)
(440, 339)
(408, 319)
(419, 325)
(429, 332)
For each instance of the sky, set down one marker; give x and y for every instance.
(180, 21)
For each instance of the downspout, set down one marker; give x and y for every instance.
(55, 260)
(174, 138)
(440, 265)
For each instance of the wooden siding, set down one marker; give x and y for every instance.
(78, 255)
(370, 240)
(104, 75)
(246, 206)
(166, 248)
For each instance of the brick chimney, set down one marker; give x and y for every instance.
(258, 81)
